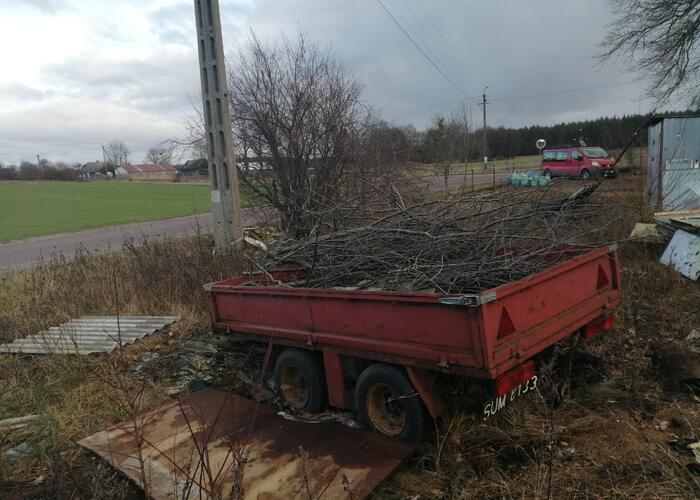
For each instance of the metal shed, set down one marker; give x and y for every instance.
(673, 165)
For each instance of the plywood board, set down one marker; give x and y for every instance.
(212, 441)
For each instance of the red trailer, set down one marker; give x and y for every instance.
(377, 352)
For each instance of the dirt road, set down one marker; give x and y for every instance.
(457, 181)
(21, 254)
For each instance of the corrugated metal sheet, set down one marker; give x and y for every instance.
(89, 334)
(683, 254)
(673, 168)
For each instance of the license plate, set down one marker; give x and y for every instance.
(500, 402)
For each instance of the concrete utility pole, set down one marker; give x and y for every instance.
(485, 145)
(225, 197)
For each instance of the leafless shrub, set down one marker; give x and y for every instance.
(297, 120)
(448, 141)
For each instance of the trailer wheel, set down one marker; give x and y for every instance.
(300, 380)
(387, 401)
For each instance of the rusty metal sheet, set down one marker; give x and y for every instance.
(277, 458)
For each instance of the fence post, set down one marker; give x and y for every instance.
(472, 179)
(494, 175)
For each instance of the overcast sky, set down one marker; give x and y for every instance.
(78, 73)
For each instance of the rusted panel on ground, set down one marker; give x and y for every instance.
(281, 458)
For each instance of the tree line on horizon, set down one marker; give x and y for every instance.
(45, 170)
(446, 139)
(407, 144)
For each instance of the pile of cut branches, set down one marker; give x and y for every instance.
(448, 246)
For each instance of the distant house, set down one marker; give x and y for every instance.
(147, 172)
(193, 168)
(95, 168)
(254, 163)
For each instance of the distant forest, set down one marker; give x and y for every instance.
(608, 132)
(445, 141)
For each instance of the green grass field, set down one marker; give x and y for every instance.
(41, 208)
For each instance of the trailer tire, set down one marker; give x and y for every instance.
(300, 380)
(388, 403)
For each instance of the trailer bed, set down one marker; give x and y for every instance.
(479, 335)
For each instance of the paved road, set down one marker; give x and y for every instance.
(21, 254)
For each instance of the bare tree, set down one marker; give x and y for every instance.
(441, 147)
(462, 123)
(386, 146)
(661, 38)
(297, 118)
(448, 140)
(159, 155)
(116, 153)
(193, 141)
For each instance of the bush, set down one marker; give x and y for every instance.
(29, 172)
(52, 173)
(8, 174)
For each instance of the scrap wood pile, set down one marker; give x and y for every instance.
(448, 246)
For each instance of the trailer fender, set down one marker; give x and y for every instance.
(424, 382)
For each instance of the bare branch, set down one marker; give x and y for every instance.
(660, 38)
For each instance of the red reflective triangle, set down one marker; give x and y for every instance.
(603, 280)
(506, 326)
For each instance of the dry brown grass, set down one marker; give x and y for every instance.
(620, 432)
(622, 436)
(151, 277)
(78, 395)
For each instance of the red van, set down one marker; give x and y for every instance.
(577, 161)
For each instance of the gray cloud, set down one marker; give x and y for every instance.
(516, 48)
(20, 92)
(141, 95)
(173, 23)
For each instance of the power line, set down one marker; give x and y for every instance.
(435, 46)
(420, 49)
(418, 32)
(460, 66)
